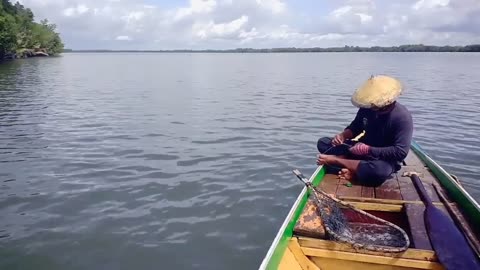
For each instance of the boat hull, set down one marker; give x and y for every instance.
(292, 251)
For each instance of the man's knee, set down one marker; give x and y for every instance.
(324, 144)
(374, 172)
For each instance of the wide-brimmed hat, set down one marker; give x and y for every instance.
(377, 92)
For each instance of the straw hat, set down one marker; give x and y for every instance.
(377, 92)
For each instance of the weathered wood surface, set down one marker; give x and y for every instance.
(409, 193)
(344, 257)
(309, 223)
(368, 192)
(384, 201)
(289, 262)
(407, 189)
(419, 237)
(390, 189)
(336, 264)
(414, 254)
(329, 184)
(413, 160)
(297, 252)
(368, 206)
(354, 191)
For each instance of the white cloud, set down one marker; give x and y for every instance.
(198, 24)
(339, 12)
(275, 6)
(134, 16)
(196, 6)
(364, 18)
(75, 11)
(123, 38)
(210, 29)
(428, 4)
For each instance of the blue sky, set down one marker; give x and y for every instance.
(221, 24)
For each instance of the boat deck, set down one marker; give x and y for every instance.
(396, 200)
(398, 187)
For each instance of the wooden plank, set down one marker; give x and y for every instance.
(384, 201)
(414, 254)
(413, 160)
(368, 192)
(428, 177)
(309, 223)
(335, 264)
(329, 184)
(424, 173)
(408, 190)
(419, 236)
(467, 229)
(330, 179)
(431, 192)
(289, 262)
(390, 189)
(404, 169)
(367, 258)
(377, 206)
(353, 191)
(296, 250)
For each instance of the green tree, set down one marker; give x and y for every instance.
(8, 38)
(19, 32)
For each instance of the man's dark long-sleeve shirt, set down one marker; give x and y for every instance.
(388, 134)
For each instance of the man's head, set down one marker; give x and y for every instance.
(377, 93)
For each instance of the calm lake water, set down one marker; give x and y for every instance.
(183, 161)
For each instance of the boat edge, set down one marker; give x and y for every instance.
(280, 242)
(466, 202)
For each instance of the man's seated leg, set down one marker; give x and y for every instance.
(325, 145)
(373, 173)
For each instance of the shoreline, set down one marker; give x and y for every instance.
(26, 53)
(401, 48)
(262, 52)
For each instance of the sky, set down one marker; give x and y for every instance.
(227, 24)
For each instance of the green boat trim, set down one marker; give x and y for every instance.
(466, 203)
(276, 250)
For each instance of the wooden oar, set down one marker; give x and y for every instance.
(450, 245)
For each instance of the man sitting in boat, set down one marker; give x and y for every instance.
(385, 127)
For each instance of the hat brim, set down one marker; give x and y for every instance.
(377, 92)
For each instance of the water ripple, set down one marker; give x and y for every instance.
(136, 161)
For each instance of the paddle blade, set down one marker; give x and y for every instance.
(452, 249)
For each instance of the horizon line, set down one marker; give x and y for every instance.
(345, 48)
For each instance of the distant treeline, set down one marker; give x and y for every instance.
(21, 36)
(402, 48)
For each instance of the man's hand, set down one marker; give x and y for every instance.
(338, 139)
(326, 159)
(360, 149)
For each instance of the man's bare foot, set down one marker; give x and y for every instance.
(326, 159)
(345, 174)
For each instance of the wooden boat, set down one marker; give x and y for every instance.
(301, 243)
